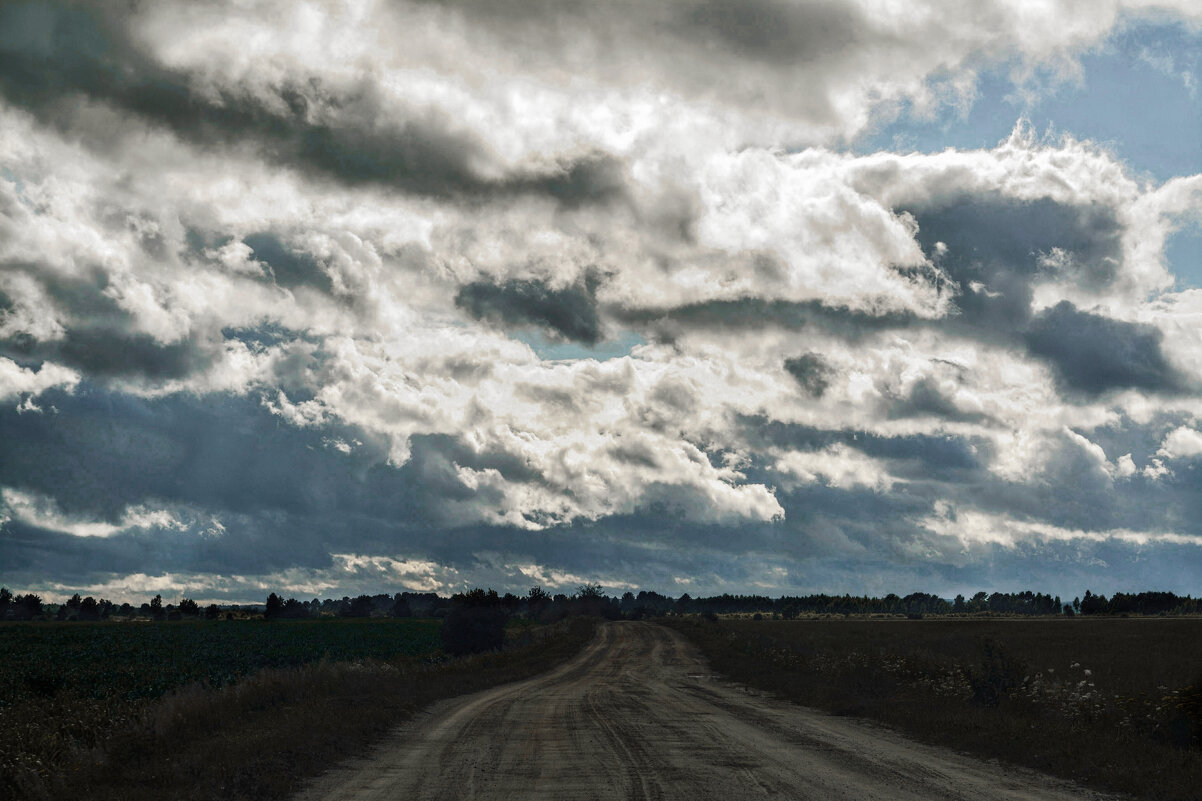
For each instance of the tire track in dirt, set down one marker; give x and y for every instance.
(637, 715)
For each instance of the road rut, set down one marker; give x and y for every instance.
(638, 715)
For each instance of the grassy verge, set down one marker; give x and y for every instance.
(261, 736)
(1114, 704)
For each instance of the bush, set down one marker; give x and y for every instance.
(1185, 727)
(473, 629)
(995, 676)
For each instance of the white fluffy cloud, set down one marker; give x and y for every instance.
(1181, 443)
(360, 213)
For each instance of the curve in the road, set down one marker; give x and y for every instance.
(637, 715)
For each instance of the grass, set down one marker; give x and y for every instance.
(1114, 703)
(134, 660)
(259, 736)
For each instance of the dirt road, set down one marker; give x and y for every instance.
(637, 715)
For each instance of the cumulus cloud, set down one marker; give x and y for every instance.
(16, 380)
(1181, 443)
(271, 271)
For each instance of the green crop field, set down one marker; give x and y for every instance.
(138, 660)
(226, 709)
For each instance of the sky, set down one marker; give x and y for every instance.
(329, 298)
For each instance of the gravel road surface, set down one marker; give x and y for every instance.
(638, 715)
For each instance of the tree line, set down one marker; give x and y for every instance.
(590, 599)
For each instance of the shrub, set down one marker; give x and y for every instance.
(1185, 728)
(994, 677)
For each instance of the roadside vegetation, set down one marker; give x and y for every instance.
(233, 709)
(190, 701)
(1114, 703)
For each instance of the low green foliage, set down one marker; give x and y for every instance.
(131, 661)
(335, 686)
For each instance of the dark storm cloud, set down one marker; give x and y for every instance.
(52, 55)
(1093, 354)
(287, 500)
(772, 32)
(103, 451)
(100, 337)
(999, 241)
(755, 313)
(926, 399)
(279, 488)
(570, 312)
(916, 454)
(1003, 245)
(757, 30)
(811, 371)
(289, 267)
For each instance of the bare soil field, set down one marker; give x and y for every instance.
(1111, 702)
(640, 715)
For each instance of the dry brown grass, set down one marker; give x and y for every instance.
(261, 737)
(1113, 703)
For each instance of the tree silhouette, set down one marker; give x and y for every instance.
(275, 605)
(28, 606)
(400, 607)
(360, 607)
(89, 609)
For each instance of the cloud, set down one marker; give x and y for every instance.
(1093, 354)
(270, 271)
(810, 371)
(569, 312)
(16, 380)
(1181, 443)
(351, 133)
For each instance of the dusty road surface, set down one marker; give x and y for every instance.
(637, 715)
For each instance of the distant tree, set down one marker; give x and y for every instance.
(27, 606)
(477, 597)
(473, 629)
(73, 603)
(89, 609)
(400, 606)
(6, 601)
(275, 605)
(212, 612)
(590, 600)
(511, 603)
(1093, 604)
(188, 607)
(156, 607)
(537, 601)
(294, 610)
(959, 605)
(1068, 610)
(359, 607)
